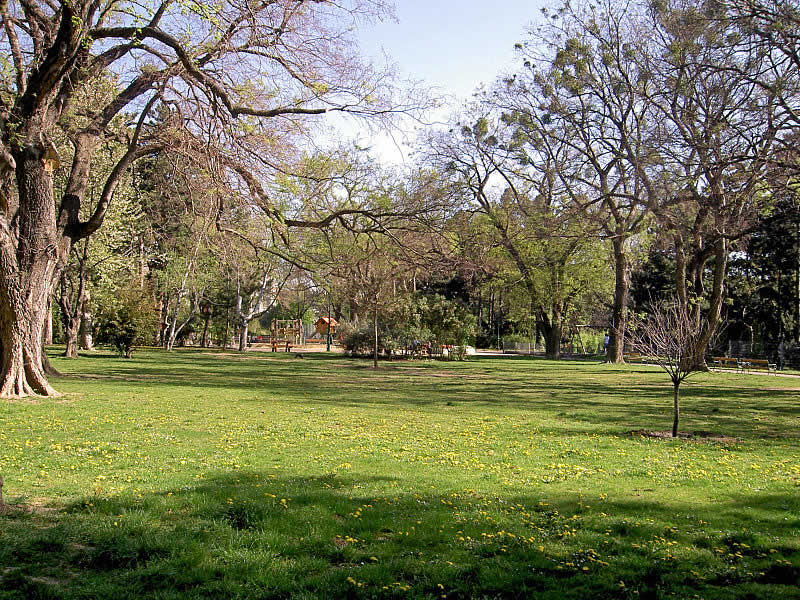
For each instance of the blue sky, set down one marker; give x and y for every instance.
(451, 45)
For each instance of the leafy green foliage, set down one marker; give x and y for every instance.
(128, 321)
(360, 340)
(450, 321)
(763, 278)
(415, 320)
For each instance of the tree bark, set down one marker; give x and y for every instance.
(173, 329)
(551, 327)
(619, 316)
(72, 301)
(714, 314)
(47, 366)
(375, 331)
(553, 342)
(676, 410)
(242, 322)
(164, 321)
(255, 308)
(48, 325)
(680, 272)
(70, 318)
(204, 340)
(86, 339)
(22, 365)
(71, 338)
(27, 271)
(796, 290)
(244, 327)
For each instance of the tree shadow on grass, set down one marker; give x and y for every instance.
(613, 399)
(264, 535)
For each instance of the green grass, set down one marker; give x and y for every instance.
(210, 475)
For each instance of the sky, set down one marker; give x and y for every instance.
(451, 45)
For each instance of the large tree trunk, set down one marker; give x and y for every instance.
(551, 327)
(164, 321)
(174, 327)
(244, 327)
(172, 323)
(71, 327)
(204, 339)
(48, 325)
(711, 318)
(86, 339)
(553, 341)
(680, 273)
(619, 316)
(73, 301)
(21, 329)
(27, 271)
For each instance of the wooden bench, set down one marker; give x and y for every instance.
(281, 342)
(757, 364)
(632, 357)
(726, 362)
(438, 350)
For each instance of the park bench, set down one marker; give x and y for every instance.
(441, 350)
(288, 345)
(726, 362)
(757, 364)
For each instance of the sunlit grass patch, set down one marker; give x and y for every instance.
(191, 475)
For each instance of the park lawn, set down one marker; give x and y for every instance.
(212, 475)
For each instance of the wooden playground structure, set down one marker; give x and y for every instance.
(325, 326)
(285, 333)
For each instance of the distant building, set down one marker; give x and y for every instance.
(322, 326)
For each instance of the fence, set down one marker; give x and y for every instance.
(521, 348)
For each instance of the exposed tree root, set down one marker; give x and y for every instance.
(20, 381)
(48, 367)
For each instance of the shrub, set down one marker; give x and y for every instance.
(451, 323)
(359, 339)
(129, 320)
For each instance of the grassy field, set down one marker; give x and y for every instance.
(211, 475)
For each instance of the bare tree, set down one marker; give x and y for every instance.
(582, 99)
(772, 27)
(718, 141)
(667, 336)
